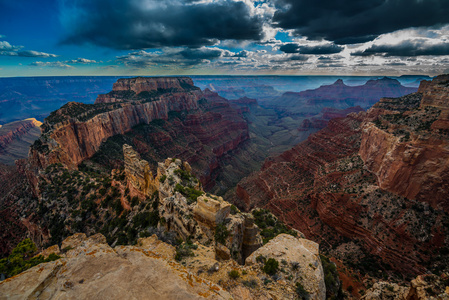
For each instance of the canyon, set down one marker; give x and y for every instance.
(371, 188)
(16, 138)
(217, 241)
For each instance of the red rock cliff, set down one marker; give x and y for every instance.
(76, 131)
(407, 153)
(15, 130)
(376, 182)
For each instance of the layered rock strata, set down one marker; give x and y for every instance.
(377, 178)
(76, 131)
(16, 138)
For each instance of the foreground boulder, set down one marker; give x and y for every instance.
(93, 270)
(301, 255)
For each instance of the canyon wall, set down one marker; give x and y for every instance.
(73, 137)
(370, 186)
(16, 138)
(408, 150)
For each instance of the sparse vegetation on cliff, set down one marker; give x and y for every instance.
(271, 266)
(221, 234)
(270, 225)
(86, 201)
(22, 258)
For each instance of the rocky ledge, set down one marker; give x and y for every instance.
(91, 269)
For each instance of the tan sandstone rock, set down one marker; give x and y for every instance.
(210, 210)
(384, 290)
(299, 251)
(138, 173)
(96, 271)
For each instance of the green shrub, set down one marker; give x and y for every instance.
(301, 291)
(162, 178)
(21, 259)
(271, 266)
(270, 225)
(234, 274)
(261, 259)
(190, 193)
(252, 283)
(185, 250)
(221, 233)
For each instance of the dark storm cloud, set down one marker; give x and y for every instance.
(184, 57)
(355, 21)
(319, 49)
(139, 24)
(406, 48)
(200, 54)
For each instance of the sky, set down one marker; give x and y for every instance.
(223, 37)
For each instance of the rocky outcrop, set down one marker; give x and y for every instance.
(138, 173)
(408, 154)
(299, 254)
(90, 268)
(94, 270)
(436, 92)
(428, 287)
(384, 290)
(190, 212)
(211, 211)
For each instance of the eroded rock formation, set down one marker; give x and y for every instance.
(138, 173)
(76, 131)
(378, 178)
(190, 212)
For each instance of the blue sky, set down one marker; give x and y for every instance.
(171, 37)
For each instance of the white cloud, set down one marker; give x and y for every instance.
(52, 64)
(81, 61)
